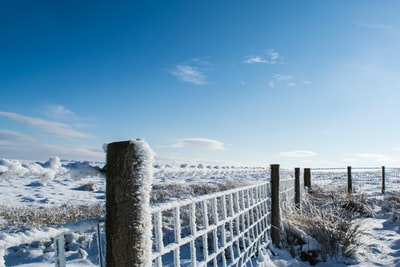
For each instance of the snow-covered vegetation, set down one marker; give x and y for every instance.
(39, 197)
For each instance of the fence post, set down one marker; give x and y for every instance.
(349, 180)
(383, 180)
(128, 219)
(307, 178)
(297, 192)
(59, 251)
(275, 206)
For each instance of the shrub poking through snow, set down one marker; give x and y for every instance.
(326, 226)
(16, 218)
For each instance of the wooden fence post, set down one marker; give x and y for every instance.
(307, 178)
(275, 206)
(349, 180)
(128, 219)
(297, 189)
(383, 180)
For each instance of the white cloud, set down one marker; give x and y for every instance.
(271, 57)
(286, 79)
(14, 145)
(59, 112)
(189, 74)
(192, 72)
(283, 77)
(298, 154)
(12, 136)
(204, 143)
(56, 128)
(254, 60)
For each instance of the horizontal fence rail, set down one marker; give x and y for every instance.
(220, 229)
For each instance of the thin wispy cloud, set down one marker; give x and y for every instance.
(376, 157)
(298, 154)
(273, 56)
(286, 79)
(10, 137)
(192, 72)
(282, 77)
(59, 129)
(59, 112)
(254, 60)
(20, 146)
(269, 57)
(204, 143)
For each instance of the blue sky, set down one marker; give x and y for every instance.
(298, 83)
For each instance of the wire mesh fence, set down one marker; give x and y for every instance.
(363, 180)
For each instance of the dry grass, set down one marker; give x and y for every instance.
(17, 218)
(330, 219)
(166, 192)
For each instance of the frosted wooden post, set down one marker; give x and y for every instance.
(297, 188)
(128, 219)
(383, 180)
(307, 178)
(349, 181)
(275, 206)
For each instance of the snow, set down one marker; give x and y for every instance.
(144, 176)
(56, 182)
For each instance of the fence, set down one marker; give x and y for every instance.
(222, 229)
(358, 180)
(227, 228)
(57, 235)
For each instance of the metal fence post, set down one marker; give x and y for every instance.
(275, 206)
(128, 219)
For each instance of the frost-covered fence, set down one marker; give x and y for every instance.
(285, 193)
(55, 233)
(221, 229)
(287, 188)
(373, 180)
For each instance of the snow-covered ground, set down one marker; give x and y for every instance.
(57, 182)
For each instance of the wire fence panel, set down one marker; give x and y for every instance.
(286, 188)
(220, 229)
(365, 180)
(392, 179)
(328, 177)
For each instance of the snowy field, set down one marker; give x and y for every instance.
(56, 183)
